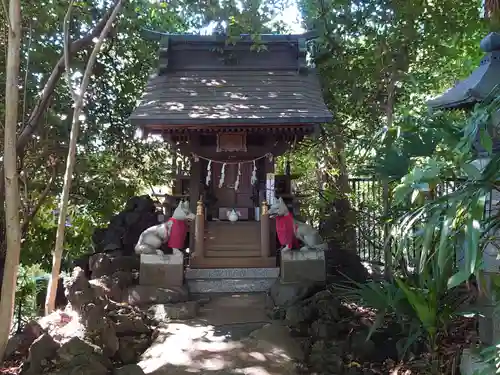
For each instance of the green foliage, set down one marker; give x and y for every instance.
(25, 301)
(426, 290)
(112, 163)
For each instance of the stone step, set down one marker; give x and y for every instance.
(232, 262)
(223, 253)
(230, 285)
(232, 273)
(231, 280)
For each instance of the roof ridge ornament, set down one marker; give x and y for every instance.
(163, 54)
(302, 56)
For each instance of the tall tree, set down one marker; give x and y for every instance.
(13, 230)
(78, 98)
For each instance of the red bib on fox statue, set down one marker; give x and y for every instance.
(285, 229)
(177, 233)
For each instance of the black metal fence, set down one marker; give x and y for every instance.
(370, 205)
(370, 199)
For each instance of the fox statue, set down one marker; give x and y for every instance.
(172, 232)
(291, 231)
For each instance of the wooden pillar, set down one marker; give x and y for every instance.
(194, 193)
(265, 233)
(199, 230)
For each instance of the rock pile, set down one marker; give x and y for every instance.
(104, 329)
(109, 320)
(125, 228)
(112, 253)
(332, 334)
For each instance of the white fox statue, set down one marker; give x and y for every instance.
(173, 232)
(291, 231)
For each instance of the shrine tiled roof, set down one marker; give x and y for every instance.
(201, 80)
(479, 84)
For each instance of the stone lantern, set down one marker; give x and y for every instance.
(464, 95)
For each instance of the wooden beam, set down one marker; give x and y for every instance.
(173, 128)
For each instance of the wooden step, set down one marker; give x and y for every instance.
(213, 253)
(230, 241)
(232, 246)
(236, 230)
(232, 262)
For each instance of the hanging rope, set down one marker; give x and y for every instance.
(209, 172)
(237, 183)
(253, 179)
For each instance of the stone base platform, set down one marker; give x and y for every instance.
(231, 280)
(303, 266)
(162, 270)
(471, 364)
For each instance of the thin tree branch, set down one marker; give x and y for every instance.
(70, 161)
(67, 42)
(48, 91)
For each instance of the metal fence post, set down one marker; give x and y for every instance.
(387, 241)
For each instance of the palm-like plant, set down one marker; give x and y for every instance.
(428, 294)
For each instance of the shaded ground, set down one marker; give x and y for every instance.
(218, 342)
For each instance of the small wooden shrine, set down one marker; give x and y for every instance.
(232, 108)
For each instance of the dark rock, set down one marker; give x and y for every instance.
(144, 295)
(324, 329)
(104, 288)
(83, 263)
(132, 347)
(108, 339)
(132, 218)
(78, 290)
(88, 358)
(43, 349)
(100, 265)
(127, 263)
(22, 341)
(80, 366)
(362, 347)
(287, 294)
(130, 325)
(97, 239)
(122, 279)
(108, 264)
(142, 203)
(328, 309)
(129, 370)
(277, 313)
(326, 357)
(299, 313)
(178, 311)
(92, 316)
(342, 264)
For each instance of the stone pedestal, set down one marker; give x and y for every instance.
(300, 266)
(162, 271)
(471, 364)
(489, 318)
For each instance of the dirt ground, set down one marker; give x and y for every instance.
(219, 342)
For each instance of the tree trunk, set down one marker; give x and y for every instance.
(37, 114)
(492, 12)
(70, 162)
(13, 230)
